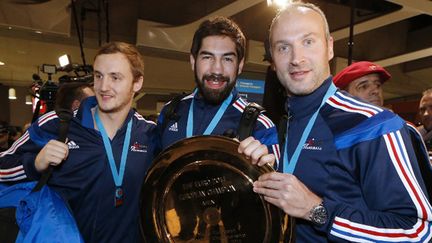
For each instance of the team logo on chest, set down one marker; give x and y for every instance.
(72, 145)
(136, 147)
(312, 144)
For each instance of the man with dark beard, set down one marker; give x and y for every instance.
(214, 107)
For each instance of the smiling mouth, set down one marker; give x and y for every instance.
(215, 84)
(214, 81)
(298, 74)
(106, 96)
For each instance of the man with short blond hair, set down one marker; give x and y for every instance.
(100, 175)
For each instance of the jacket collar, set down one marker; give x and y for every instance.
(303, 106)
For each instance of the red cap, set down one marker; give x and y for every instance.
(357, 70)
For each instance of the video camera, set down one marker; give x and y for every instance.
(45, 90)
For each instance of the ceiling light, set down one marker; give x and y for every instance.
(279, 3)
(12, 94)
(28, 100)
(38, 32)
(2, 63)
(64, 60)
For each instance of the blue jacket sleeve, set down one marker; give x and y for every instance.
(391, 204)
(17, 163)
(266, 132)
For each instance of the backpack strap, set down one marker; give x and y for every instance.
(282, 130)
(170, 110)
(65, 116)
(248, 120)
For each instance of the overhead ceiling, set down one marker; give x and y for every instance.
(396, 34)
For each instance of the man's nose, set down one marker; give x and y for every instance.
(217, 67)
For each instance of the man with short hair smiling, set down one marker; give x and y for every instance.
(215, 107)
(100, 175)
(364, 80)
(349, 171)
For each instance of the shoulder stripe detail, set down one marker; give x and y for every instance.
(141, 118)
(24, 138)
(189, 96)
(47, 117)
(358, 102)
(414, 129)
(420, 232)
(240, 105)
(402, 163)
(349, 104)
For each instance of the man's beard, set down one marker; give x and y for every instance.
(214, 96)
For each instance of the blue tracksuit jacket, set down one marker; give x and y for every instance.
(84, 180)
(359, 159)
(264, 131)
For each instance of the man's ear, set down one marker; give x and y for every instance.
(240, 66)
(192, 62)
(137, 85)
(330, 48)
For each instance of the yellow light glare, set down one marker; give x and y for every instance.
(279, 3)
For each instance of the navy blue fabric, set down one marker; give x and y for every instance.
(264, 130)
(84, 180)
(364, 168)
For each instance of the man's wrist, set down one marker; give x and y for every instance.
(318, 214)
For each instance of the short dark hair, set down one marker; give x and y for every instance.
(68, 93)
(219, 26)
(130, 51)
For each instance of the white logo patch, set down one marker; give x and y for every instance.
(72, 145)
(173, 127)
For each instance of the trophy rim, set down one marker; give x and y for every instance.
(155, 190)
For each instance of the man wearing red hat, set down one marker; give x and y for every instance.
(364, 80)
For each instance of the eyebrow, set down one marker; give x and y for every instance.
(212, 54)
(111, 73)
(301, 38)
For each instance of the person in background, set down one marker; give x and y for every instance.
(14, 133)
(425, 114)
(363, 80)
(349, 172)
(70, 95)
(4, 136)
